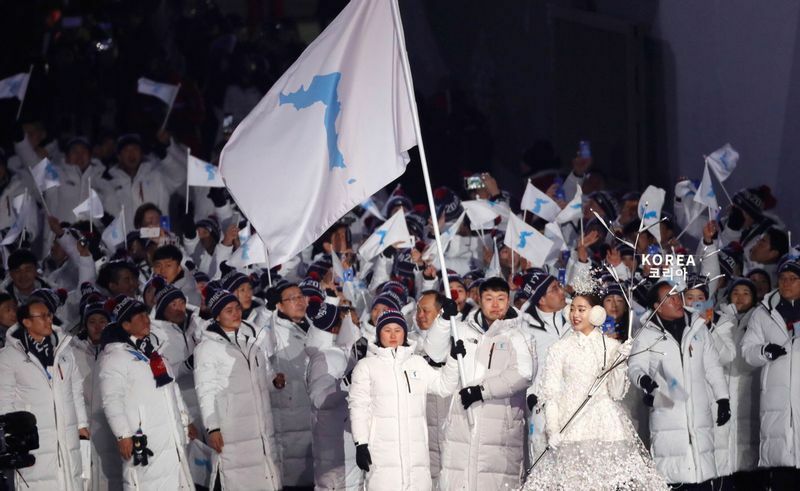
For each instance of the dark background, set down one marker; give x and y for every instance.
(653, 85)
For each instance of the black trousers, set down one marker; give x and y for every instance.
(693, 486)
(784, 478)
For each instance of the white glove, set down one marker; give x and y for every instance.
(625, 348)
(554, 440)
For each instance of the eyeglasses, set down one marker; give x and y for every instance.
(48, 315)
(294, 299)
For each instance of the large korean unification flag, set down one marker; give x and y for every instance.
(332, 131)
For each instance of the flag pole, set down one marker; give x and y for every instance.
(22, 101)
(188, 156)
(398, 24)
(91, 212)
(124, 228)
(169, 109)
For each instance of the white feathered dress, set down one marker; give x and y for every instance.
(599, 450)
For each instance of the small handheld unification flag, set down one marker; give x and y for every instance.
(538, 203)
(25, 220)
(391, 232)
(494, 265)
(114, 234)
(251, 252)
(481, 213)
(370, 206)
(705, 192)
(723, 161)
(553, 232)
(650, 204)
(165, 92)
(14, 86)
(573, 210)
(527, 241)
(202, 173)
(429, 254)
(92, 206)
(45, 175)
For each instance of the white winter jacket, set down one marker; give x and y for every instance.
(54, 397)
(489, 455)
(132, 401)
(106, 467)
(388, 411)
(232, 379)
(737, 442)
(332, 442)
(682, 435)
(291, 406)
(74, 189)
(779, 408)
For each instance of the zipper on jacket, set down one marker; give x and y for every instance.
(491, 352)
(408, 383)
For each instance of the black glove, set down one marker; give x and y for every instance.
(470, 395)
(363, 458)
(188, 226)
(532, 400)
(449, 308)
(457, 348)
(389, 252)
(723, 411)
(348, 378)
(648, 400)
(273, 299)
(218, 196)
(648, 384)
(774, 351)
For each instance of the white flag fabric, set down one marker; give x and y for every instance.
(540, 204)
(705, 192)
(25, 219)
(481, 213)
(332, 131)
(14, 86)
(553, 232)
(45, 175)
(391, 232)
(430, 253)
(686, 191)
(573, 210)
(165, 92)
(114, 234)
(650, 204)
(723, 161)
(494, 265)
(202, 173)
(250, 252)
(370, 206)
(527, 241)
(90, 206)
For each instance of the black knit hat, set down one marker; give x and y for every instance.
(323, 315)
(389, 299)
(164, 297)
(312, 289)
(391, 317)
(447, 203)
(52, 298)
(211, 225)
(607, 203)
(218, 300)
(124, 308)
(128, 139)
(789, 264)
(536, 282)
(92, 308)
(233, 280)
(398, 289)
(755, 200)
(742, 282)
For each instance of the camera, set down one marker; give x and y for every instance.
(18, 436)
(474, 182)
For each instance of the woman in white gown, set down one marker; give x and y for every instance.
(599, 450)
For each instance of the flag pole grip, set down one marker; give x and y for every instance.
(428, 191)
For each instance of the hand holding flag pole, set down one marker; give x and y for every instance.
(428, 190)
